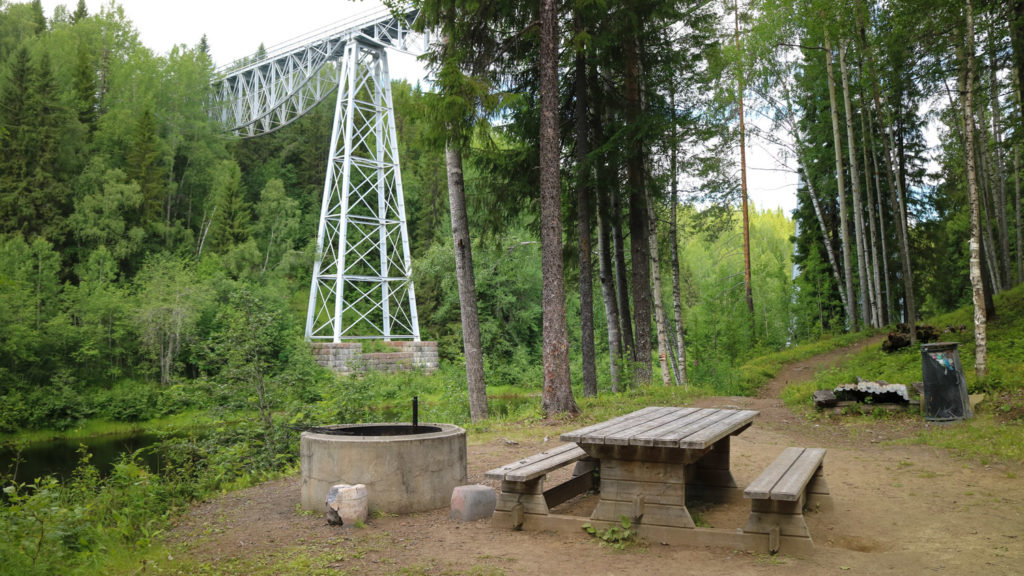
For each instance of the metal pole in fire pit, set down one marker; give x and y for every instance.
(415, 413)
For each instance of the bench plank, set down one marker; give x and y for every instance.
(761, 487)
(791, 486)
(538, 464)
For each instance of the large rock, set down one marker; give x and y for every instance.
(473, 502)
(346, 504)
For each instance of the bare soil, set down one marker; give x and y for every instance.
(899, 509)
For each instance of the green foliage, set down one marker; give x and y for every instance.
(129, 401)
(616, 536)
(986, 436)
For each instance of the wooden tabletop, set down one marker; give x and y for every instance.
(665, 427)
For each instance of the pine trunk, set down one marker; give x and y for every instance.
(583, 194)
(895, 192)
(980, 336)
(611, 308)
(844, 228)
(621, 277)
(985, 191)
(638, 226)
(471, 345)
(858, 220)
(826, 239)
(557, 394)
(604, 249)
(677, 300)
(876, 276)
(887, 308)
(743, 182)
(882, 237)
(659, 305)
(997, 157)
(1020, 230)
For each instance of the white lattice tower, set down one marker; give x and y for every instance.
(362, 279)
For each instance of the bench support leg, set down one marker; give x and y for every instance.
(785, 517)
(517, 499)
(819, 497)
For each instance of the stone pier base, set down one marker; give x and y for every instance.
(349, 358)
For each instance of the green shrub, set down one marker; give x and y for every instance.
(129, 401)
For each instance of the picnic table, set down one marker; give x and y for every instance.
(645, 465)
(652, 459)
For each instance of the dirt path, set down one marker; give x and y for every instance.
(899, 509)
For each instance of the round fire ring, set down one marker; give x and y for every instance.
(405, 468)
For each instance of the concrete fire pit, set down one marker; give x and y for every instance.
(405, 468)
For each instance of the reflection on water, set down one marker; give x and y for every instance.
(59, 457)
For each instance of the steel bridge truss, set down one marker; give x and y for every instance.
(362, 278)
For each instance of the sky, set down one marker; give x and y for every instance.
(235, 28)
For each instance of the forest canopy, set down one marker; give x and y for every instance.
(133, 228)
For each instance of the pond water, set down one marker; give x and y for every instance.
(60, 457)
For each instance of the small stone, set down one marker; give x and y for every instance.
(346, 504)
(473, 502)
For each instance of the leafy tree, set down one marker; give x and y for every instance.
(169, 300)
(81, 12)
(105, 214)
(247, 348)
(277, 227)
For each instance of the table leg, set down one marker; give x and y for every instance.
(710, 478)
(647, 492)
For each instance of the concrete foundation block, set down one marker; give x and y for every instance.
(473, 502)
(347, 504)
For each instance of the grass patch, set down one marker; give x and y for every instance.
(982, 437)
(994, 433)
(755, 372)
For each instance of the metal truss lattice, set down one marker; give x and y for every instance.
(362, 286)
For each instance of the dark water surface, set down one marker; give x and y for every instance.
(60, 457)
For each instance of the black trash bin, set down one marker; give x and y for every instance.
(945, 390)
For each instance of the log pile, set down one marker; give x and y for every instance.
(925, 333)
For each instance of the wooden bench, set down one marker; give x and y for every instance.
(792, 482)
(522, 483)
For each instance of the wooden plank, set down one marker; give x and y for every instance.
(708, 416)
(791, 486)
(788, 524)
(715, 432)
(598, 436)
(575, 435)
(569, 489)
(625, 437)
(642, 471)
(542, 467)
(761, 487)
(552, 457)
(499, 473)
(653, 514)
(686, 417)
(653, 492)
(530, 503)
